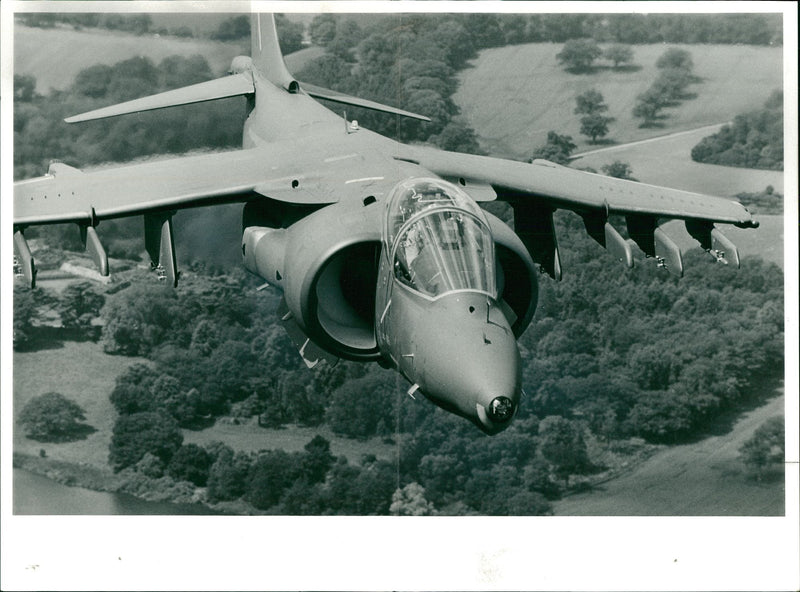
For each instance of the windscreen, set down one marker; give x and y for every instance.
(439, 240)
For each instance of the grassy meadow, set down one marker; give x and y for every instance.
(513, 95)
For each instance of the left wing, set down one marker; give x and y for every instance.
(291, 171)
(535, 190)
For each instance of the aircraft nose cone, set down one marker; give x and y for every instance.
(497, 415)
(468, 361)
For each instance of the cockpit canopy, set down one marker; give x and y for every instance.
(438, 239)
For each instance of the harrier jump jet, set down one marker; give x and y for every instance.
(381, 250)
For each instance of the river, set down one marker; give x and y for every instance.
(37, 495)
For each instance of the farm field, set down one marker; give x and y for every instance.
(512, 96)
(698, 479)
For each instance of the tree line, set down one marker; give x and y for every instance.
(232, 28)
(506, 29)
(753, 140)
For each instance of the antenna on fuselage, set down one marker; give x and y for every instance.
(349, 126)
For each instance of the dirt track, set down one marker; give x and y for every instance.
(699, 479)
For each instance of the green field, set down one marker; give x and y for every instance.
(513, 95)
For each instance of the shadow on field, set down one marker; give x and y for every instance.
(79, 431)
(627, 68)
(48, 338)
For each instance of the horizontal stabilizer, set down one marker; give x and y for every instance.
(221, 88)
(331, 95)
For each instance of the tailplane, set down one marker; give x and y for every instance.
(266, 63)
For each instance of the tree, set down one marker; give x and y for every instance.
(347, 35)
(594, 126)
(52, 417)
(457, 136)
(672, 83)
(137, 434)
(132, 392)
(618, 54)
(177, 71)
(227, 477)
(79, 305)
(358, 406)
(237, 27)
(675, 57)
(28, 305)
(317, 460)
(290, 34)
(578, 55)
(94, 80)
(590, 102)
(169, 396)
(765, 448)
(410, 501)
(323, 29)
(562, 444)
(558, 149)
(271, 474)
(649, 105)
(190, 463)
(619, 170)
(24, 88)
(528, 503)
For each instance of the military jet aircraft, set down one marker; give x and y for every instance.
(380, 249)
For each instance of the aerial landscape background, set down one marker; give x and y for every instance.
(691, 369)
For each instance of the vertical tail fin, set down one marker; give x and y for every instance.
(266, 52)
